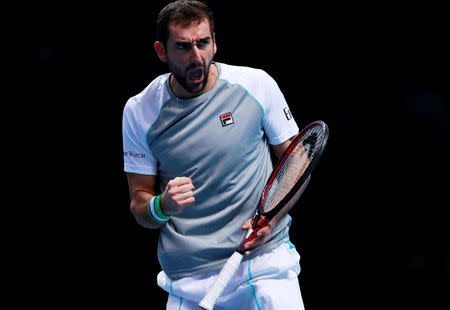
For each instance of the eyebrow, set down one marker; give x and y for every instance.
(208, 38)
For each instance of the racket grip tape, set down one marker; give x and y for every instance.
(222, 280)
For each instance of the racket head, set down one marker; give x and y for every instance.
(293, 168)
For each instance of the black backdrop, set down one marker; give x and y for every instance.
(371, 228)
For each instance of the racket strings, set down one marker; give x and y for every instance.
(293, 168)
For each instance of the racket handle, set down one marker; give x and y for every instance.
(222, 280)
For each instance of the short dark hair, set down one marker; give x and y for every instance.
(182, 10)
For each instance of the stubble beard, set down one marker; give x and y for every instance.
(182, 76)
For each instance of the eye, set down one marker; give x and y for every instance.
(202, 43)
(183, 46)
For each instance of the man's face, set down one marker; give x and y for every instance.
(190, 50)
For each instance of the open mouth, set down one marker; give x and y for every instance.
(196, 75)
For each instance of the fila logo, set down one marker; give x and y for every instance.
(288, 113)
(226, 119)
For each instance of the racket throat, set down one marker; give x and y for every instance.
(248, 235)
(258, 223)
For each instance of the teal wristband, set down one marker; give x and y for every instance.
(158, 209)
(155, 212)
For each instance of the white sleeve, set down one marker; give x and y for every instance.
(279, 124)
(136, 153)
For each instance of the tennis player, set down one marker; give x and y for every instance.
(197, 146)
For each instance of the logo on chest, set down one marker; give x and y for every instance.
(226, 119)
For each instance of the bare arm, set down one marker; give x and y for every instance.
(280, 148)
(177, 196)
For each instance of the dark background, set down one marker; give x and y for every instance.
(371, 228)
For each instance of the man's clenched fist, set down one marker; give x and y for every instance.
(177, 195)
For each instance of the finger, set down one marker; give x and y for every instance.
(181, 190)
(187, 201)
(179, 181)
(263, 232)
(183, 196)
(175, 189)
(261, 237)
(186, 188)
(247, 224)
(258, 240)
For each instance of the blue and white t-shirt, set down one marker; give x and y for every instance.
(220, 140)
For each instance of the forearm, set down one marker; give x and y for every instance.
(177, 195)
(139, 208)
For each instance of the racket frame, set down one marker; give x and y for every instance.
(268, 216)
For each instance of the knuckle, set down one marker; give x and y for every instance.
(175, 181)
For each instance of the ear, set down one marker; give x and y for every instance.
(161, 51)
(214, 40)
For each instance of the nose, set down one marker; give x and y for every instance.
(195, 54)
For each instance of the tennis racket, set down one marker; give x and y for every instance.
(282, 190)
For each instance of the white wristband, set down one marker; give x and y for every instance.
(154, 214)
